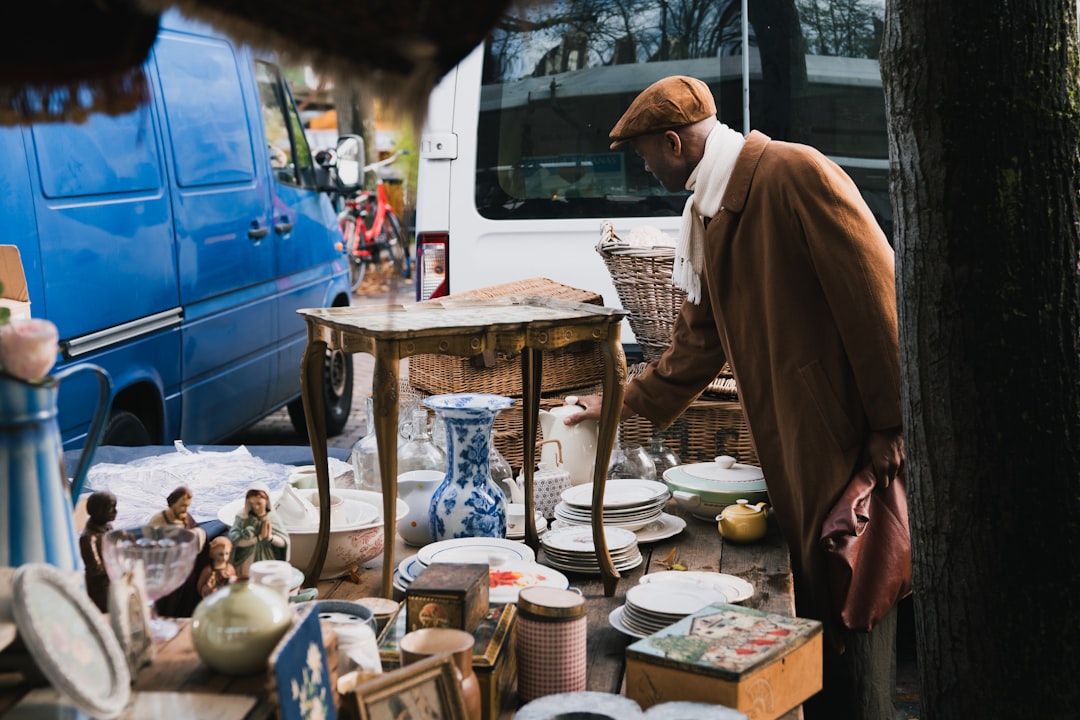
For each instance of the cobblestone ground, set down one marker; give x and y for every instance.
(380, 287)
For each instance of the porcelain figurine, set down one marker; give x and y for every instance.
(179, 501)
(101, 509)
(219, 572)
(257, 533)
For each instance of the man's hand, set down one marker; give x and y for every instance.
(884, 451)
(592, 403)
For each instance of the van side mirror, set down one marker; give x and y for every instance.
(349, 160)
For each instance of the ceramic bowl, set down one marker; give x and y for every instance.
(349, 545)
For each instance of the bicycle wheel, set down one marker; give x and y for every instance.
(397, 245)
(357, 265)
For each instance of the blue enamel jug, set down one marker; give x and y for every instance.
(36, 522)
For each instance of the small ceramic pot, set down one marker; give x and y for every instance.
(235, 629)
(743, 522)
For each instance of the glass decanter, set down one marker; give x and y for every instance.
(419, 452)
(365, 455)
(630, 461)
(663, 457)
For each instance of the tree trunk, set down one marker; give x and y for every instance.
(984, 134)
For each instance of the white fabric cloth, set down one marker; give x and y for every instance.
(707, 183)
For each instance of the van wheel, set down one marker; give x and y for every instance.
(125, 429)
(337, 395)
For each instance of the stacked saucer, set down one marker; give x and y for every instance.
(628, 504)
(653, 606)
(571, 548)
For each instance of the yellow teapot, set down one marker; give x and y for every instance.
(743, 522)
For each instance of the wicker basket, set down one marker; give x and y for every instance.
(642, 278)
(561, 369)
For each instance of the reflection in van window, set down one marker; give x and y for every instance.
(286, 144)
(205, 106)
(559, 73)
(113, 154)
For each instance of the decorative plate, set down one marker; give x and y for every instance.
(601, 706)
(70, 641)
(508, 579)
(578, 539)
(475, 550)
(734, 587)
(662, 528)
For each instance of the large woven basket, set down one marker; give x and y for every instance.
(561, 369)
(641, 275)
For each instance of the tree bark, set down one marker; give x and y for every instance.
(984, 132)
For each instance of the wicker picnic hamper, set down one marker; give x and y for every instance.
(561, 369)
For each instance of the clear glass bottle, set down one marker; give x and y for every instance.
(500, 469)
(663, 457)
(365, 454)
(419, 452)
(630, 461)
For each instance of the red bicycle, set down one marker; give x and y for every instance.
(371, 228)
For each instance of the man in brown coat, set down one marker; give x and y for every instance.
(789, 277)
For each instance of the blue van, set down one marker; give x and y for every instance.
(173, 245)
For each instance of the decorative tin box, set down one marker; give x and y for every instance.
(761, 664)
(493, 660)
(451, 595)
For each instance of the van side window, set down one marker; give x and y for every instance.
(286, 144)
(113, 154)
(204, 103)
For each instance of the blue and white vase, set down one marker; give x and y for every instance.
(468, 503)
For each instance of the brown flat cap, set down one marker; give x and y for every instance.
(668, 103)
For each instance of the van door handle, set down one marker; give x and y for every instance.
(283, 227)
(256, 232)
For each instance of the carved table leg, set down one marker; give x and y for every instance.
(384, 387)
(610, 409)
(311, 383)
(531, 367)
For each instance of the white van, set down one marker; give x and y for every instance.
(516, 174)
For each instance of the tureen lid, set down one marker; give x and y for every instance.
(723, 474)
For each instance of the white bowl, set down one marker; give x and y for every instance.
(349, 546)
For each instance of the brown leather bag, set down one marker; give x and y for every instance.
(868, 544)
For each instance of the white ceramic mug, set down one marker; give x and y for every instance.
(515, 519)
(338, 512)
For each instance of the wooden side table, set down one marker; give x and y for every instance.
(464, 327)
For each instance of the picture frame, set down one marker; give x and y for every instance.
(425, 690)
(300, 676)
(70, 640)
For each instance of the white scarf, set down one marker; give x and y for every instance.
(707, 182)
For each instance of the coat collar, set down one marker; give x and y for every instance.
(743, 173)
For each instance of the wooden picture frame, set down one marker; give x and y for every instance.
(425, 690)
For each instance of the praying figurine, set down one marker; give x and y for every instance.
(179, 500)
(256, 533)
(219, 572)
(101, 511)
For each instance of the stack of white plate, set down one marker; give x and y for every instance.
(653, 606)
(571, 548)
(628, 504)
(512, 564)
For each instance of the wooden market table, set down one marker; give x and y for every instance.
(462, 327)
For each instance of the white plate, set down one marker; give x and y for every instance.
(488, 551)
(578, 539)
(508, 579)
(541, 526)
(673, 598)
(662, 528)
(617, 493)
(404, 568)
(615, 618)
(734, 587)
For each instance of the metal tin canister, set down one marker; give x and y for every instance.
(551, 642)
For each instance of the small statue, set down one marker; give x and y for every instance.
(219, 572)
(256, 532)
(179, 500)
(101, 509)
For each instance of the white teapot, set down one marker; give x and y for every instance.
(578, 442)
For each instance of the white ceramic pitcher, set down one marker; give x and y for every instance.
(578, 442)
